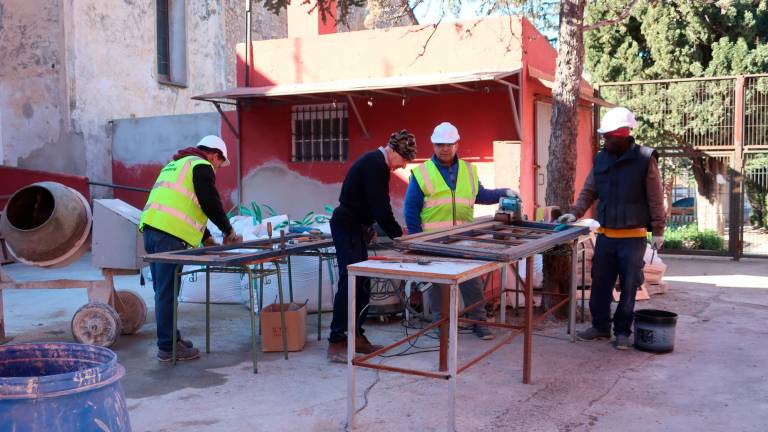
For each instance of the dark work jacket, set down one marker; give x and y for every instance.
(621, 188)
(364, 197)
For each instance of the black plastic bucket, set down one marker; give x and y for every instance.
(655, 330)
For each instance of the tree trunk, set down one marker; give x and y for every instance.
(561, 169)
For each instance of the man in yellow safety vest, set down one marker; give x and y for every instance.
(441, 194)
(182, 200)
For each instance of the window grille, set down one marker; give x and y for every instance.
(320, 133)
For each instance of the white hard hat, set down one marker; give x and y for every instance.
(445, 133)
(617, 118)
(216, 143)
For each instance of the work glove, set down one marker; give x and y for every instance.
(566, 218)
(512, 193)
(233, 238)
(657, 242)
(210, 241)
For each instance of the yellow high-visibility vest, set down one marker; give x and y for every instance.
(172, 206)
(443, 207)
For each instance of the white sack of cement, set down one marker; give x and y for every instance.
(245, 226)
(248, 228)
(215, 233)
(592, 224)
(538, 276)
(652, 257)
(305, 274)
(225, 287)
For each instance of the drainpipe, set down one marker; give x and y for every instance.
(248, 7)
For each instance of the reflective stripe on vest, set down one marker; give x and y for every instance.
(172, 206)
(175, 213)
(178, 185)
(442, 208)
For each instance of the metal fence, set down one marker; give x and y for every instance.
(712, 134)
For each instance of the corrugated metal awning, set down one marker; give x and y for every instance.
(549, 81)
(432, 83)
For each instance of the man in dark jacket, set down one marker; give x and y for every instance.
(626, 184)
(182, 200)
(364, 199)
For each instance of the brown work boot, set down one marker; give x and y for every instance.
(364, 346)
(337, 352)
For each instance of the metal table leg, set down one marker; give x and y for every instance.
(207, 310)
(253, 317)
(282, 310)
(290, 279)
(319, 293)
(176, 279)
(453, 355)
(351, 330)
(261, 292)
(572, 292)
(445, 305)
(517, 289)
(503, 299)
(528, 336)
(583, 281)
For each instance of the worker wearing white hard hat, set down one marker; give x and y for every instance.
(182, 200)
(626, 184)
(442, 193)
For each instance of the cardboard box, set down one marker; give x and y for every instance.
(295, 327)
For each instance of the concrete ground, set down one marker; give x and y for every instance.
(715, 380)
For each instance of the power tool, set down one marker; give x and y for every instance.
(510, 210)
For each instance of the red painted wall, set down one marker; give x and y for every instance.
(486, 44)
(13, 179)
(480, 118)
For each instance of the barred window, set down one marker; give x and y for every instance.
(320, 133)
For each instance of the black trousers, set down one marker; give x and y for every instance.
(622, 258)
(350, 243)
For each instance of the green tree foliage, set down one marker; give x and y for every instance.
(684, 39)
(678, 39)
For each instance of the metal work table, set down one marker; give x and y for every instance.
(239, 258)
(473, 250)
(443, 272)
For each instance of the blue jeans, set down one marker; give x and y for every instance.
(622, 258)
(471, 292)
(162, 281)
(349, 241)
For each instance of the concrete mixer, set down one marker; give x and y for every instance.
(49, 225)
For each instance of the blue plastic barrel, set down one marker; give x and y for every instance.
(61, 387)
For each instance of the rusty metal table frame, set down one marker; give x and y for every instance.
(231, 259)
(411, 271)
(323, 255)
(359, 270)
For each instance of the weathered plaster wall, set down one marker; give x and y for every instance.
(35, 131)
(142, 146)
(70, 67)
(114, 72)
